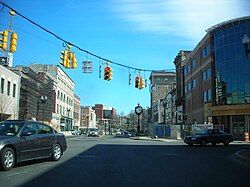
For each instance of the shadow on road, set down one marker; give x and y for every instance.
(148, 165)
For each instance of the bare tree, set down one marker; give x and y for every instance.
(4, 104)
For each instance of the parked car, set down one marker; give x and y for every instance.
(93, 132)
(22, 140)
(213, 136)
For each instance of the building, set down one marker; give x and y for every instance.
(36, 95)
(63, 88)
(217, 78)
(161, 83)
(105, 116)
(88, 118)
(77, 112)
(9, 94)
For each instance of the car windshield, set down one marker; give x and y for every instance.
(10, 129)
(201, 132)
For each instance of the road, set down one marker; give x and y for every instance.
(112, 161)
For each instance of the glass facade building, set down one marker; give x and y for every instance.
(232, 68)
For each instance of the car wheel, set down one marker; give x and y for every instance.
(56, 152)
(203, 142)
(7, 159)
(226, 142)
(190, 144)
(214, 144)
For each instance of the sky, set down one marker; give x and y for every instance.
(144, 34)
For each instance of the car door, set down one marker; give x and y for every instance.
(29, 142)
(47, 139)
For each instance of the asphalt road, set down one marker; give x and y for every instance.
(112, 161)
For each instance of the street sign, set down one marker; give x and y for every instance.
(87, 67)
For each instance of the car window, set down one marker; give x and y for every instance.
(44, 129)
(9, 129)
(31, 128)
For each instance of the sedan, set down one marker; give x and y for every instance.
(22, 140)
(213, 136)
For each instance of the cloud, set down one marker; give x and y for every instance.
(188, 19)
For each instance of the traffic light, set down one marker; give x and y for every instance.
(4, 40)
(108, 73)
(141, 84)
(137, 82)
(13, 42)
(74, 61)
(64, 58)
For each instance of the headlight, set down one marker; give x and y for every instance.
(193, 138)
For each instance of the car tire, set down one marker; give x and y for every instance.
(214, 144)
(226, 142)
(203, 142)
(190, 144)
(56, 152)
(7, 159)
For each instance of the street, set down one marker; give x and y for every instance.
(117, 161)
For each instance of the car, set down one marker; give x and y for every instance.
(213, 136)
(93, 132)
(22, 140)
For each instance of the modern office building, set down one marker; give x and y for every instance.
(9, 94)
(217, 78)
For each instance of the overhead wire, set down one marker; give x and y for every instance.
(74, 45)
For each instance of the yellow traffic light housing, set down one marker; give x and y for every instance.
(4, 40)
(64, 58)
(13, 42)
(74, 61)
(141, 84)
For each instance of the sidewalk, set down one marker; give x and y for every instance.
(152, 139)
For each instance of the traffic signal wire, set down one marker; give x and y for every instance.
(74, 45)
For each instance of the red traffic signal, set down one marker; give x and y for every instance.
(137, 82)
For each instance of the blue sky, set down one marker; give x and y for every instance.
(138, 33)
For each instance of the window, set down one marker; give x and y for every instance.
(57, 108)
(44, 129)
(206, 74)
(8, 88)
(189, 86)
(205, 51)
(186, 90)
(2, 85)
(194, 83)
(30, 128)
(193, 64)
(207, 95)
(14, 90)
(58, 94)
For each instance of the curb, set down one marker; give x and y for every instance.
(150, 139)
(239, 154)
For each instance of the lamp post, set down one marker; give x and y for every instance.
(245, 41)
(138, 111)
(43, 101)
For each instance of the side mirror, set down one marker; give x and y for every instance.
(26, 133)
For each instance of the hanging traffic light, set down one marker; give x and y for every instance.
(13, 42)
(73, 60)
(141, 84)
(64, 58)
(137, 82)
(108, 73)
(4, 40)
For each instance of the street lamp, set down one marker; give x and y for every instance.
(245, 41)
(43, 101)
(138, 111)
